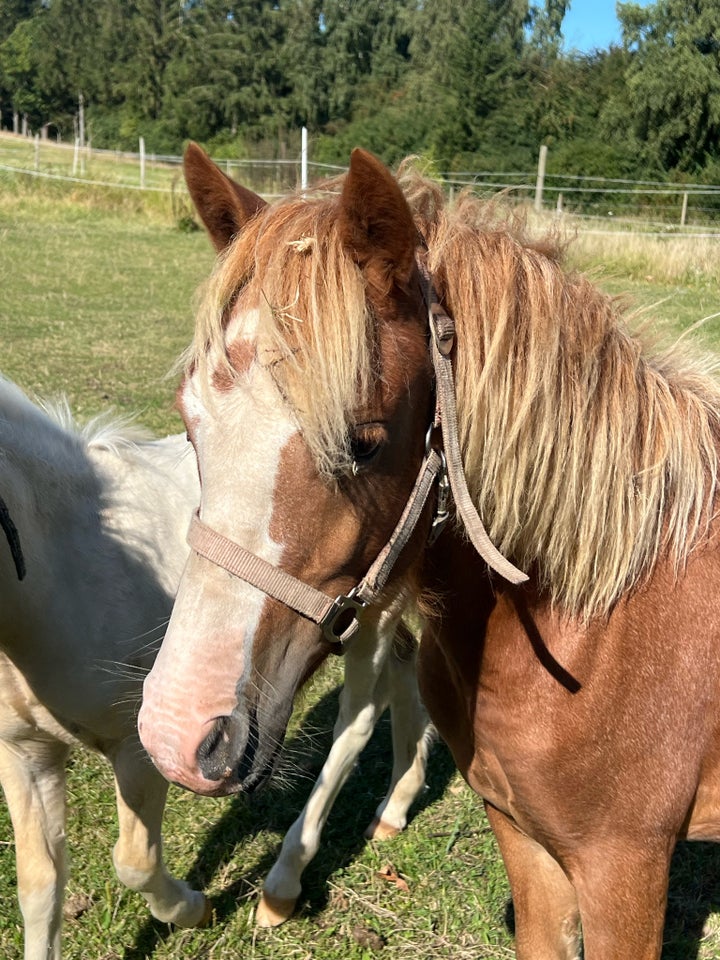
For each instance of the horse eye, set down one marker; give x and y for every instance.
(365, 444)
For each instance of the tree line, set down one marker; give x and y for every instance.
(473, 85)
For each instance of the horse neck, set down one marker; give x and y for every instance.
(149, 493)
(103, 529)
(174, 457)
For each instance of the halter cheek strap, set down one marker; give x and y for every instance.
(337, 617)
(442, 327)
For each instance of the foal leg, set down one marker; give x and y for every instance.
(137, 856)
(32, 773)
(622, 887)
(360, 707)
(546, 909)
(412, 735)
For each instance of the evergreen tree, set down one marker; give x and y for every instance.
(673, 82)
(226, 75)
(302, 58)
(21, 91)
(12, 12)
(364, 41)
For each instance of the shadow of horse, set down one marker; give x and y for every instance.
(694, 895)
(275, 809)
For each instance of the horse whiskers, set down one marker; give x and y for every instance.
(155, 635)
(119, 668)
(289, 770)
(264, 690)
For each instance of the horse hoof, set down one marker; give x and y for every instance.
(197, 912)
(381, 830)
(272, 911)
(207, 914)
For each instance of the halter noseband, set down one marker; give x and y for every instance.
(338, 617)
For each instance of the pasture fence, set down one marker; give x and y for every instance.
(591, 203)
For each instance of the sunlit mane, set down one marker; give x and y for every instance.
(587, 457)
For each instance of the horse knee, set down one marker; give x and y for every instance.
(133, 876)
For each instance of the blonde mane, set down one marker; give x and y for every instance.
(288, 272)
(588, 458)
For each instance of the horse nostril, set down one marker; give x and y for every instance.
(228, 751)
(214, 755)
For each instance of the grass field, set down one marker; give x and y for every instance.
(97, 303)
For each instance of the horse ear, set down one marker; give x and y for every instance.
(223, 205)
(375, 220)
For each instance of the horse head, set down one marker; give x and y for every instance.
(307, 395)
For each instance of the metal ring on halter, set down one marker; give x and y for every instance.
(444, 494)
(334, 627)
(442, 508)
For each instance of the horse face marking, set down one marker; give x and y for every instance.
(209, 643)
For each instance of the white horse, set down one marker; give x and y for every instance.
(95, 521)
(101, 524)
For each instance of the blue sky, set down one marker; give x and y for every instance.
(591, 24)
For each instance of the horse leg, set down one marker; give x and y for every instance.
(412, 735)
(137, 856)
(622, 887)
(546, 908)
(361, 703)
(32, 773)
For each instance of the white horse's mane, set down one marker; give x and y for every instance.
(108, 429)
(118, 433)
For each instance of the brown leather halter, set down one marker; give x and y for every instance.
(338, 617)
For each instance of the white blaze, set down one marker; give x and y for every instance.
(239, 435)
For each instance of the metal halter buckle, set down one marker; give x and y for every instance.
(340, 623)
(442, 507)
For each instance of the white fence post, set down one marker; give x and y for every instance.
(81, 119)
(142, 162)
(540, 182)
(683, 214)
(304, 159)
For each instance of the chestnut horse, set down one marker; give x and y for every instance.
(582, 705)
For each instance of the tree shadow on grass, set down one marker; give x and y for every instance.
(693, 896)
(276, 808)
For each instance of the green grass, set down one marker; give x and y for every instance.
(96, 302)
